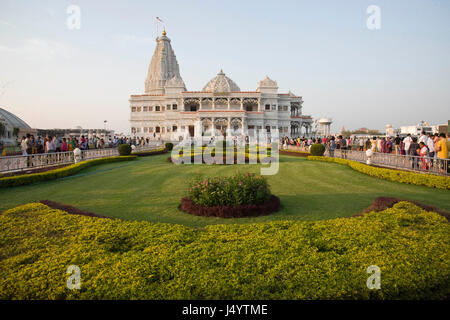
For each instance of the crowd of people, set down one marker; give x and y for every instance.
(423, 149)
(30, 145)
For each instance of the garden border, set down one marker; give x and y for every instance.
(420, 179)
(242, 211)
(58, 173)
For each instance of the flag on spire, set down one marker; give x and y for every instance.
(159, 20)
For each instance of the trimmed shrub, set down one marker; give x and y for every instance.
(326, 259)
(57, 173)
(169, 146)
(421, 179)
(149, 153)
(317, 149)
(124, 149)
(231, 191)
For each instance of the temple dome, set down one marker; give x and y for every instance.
(12, 120)
(221, 83)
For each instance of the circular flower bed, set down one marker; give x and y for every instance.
(242, 195)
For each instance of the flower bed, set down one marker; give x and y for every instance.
(239, 211)
(423, 179)
(241, 195)
(326, 259)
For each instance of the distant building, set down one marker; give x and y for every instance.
(12, 128)
(417, 129)
(391, 131)
(322, 126)
(77, 132)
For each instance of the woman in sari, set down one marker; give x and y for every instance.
(424, 161)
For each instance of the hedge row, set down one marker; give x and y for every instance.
(294, 153)
(420, 179)
(150, 152)
(325, 259)
(57, 173)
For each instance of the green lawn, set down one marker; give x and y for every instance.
(150, 188)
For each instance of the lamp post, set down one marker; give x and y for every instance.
(104, 132)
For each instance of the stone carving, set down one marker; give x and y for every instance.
(221, 83)
(163, 67)
(267, 82)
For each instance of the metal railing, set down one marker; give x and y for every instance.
(42, 160)
(397, 161)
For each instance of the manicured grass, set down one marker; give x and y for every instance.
(151, 189)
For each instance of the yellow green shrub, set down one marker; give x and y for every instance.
(58, 173)
(421, 179)
(276, 260)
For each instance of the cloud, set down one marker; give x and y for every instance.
(40, 49)
(6, 23)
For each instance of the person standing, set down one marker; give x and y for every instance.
(332, 146)
(64, 146)
(423, 138)
(442, 152)
(24, 146)
(414, 151)
(407, 141)
(397, 142)
(424, 160)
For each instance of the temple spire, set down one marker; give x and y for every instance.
(163, 66)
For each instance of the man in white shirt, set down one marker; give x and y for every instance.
(423, 138)
(430, 145)
(407, 141)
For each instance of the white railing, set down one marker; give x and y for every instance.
(397, 161)
(42, 160)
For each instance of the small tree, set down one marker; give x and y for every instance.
(124, 149)
(317, 149)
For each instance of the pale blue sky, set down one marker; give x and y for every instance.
(322, 50)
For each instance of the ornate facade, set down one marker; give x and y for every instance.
(168, 111)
